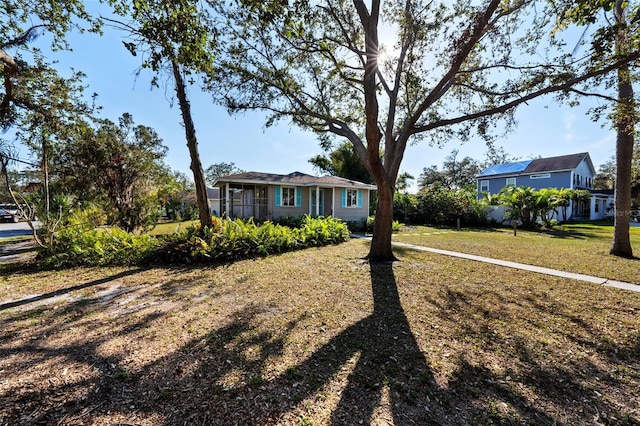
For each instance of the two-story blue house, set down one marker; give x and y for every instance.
(574, 171)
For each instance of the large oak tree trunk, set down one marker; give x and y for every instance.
(380, 250)
(625, 123)
(204, 209)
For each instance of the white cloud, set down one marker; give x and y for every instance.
(568, 120)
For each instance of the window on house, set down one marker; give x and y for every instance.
(542, 176)
(511, 181)
(288, 196)
(597, 206)
(352, 198)
(484, 186)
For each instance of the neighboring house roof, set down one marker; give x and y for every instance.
(505, 169)
(539, 165)
(295, 179)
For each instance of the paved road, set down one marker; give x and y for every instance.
(15, 229)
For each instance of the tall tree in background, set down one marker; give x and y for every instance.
(324, 67)
(214, 171)
(51, 111)
(120, 164)
(615, 38)
(343, 162)
(625, 121)
(606, 176)
(455, 174)
(177, 37)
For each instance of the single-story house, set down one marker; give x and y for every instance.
(271, 196)
(574, 171)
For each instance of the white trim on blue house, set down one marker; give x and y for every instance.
(574, 171)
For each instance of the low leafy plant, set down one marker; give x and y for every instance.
(368, 224)
(237, 239)
(225, 240)
(77, 245)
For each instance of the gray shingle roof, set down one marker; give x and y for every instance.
(563, 162)
(295, 178)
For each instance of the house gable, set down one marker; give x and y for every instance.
(557, 164)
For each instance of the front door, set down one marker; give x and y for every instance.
(320, 211)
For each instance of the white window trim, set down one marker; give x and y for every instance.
(282, 197)
(511, 179)
(348, 205)
(541, 176)
(484, 184)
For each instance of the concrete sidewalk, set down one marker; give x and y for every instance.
(538, 269)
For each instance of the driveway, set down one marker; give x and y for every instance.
(15, 229)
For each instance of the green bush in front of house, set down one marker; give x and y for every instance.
(226, 240)
(80, 245)
(238, 239)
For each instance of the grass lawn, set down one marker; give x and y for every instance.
(171, 227)
(581, 247)
(317, 337)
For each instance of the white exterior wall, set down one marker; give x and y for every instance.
(215, 206)
(584, 171)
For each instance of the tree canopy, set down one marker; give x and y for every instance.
(385, 74)
(120, 164)
(24, 67)
(455, 174)
(214, 171)
(179, 38)
(343, 162)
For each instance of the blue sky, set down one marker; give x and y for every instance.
(545, 128)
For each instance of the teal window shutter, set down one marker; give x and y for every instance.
(298, 196)
(344, 198)
(278, 196)
(359, 198)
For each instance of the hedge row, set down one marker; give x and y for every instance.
(226, 240)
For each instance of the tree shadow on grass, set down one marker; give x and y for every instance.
(378, 356)
(374, 370)
(61, 292)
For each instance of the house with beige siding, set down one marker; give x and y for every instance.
(272, 196)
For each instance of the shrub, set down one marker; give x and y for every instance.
(437, 205)
(76, 245)
(226, 240)
(238, 239)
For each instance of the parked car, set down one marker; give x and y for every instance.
(9, 213)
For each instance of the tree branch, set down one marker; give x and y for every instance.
(566, 86)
